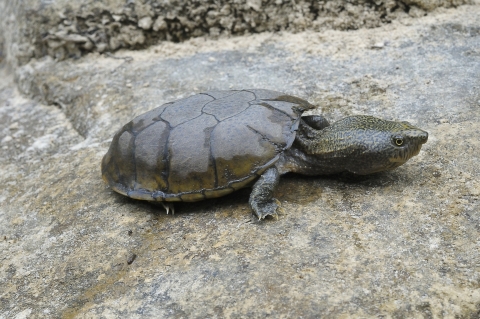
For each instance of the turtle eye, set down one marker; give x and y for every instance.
(398, 140)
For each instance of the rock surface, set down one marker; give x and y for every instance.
(403, 244)
(65, 29)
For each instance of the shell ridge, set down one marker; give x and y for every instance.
(191, 119)
(271, 107)
(298, 107)
(175, 112)
(265, 137)
(268, 164)
(134, 137)
(250, 105)
(223, 98)
(214, 162)
(140, 131)
(293, 129)
(117, 170)
(229, 185)
(166, 156)
(156, 118)
(160, 118)
(201, 113)
(254, 94)
(214, 98)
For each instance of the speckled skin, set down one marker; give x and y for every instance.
(211, 144)
(359, 144)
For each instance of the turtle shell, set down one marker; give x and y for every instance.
(206, 145)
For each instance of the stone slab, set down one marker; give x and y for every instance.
(403, 244)
(66, 29)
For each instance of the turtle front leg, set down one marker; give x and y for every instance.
(261, 199)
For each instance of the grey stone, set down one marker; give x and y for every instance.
(145, 23)
(400, 244)
(160, 24)
(68, 29)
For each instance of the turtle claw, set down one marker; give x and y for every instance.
(168, 207)
(261, 200)
(269, 208)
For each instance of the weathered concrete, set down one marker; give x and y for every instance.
(397, 245)
(68, 29)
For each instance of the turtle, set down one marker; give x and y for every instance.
(214, 143)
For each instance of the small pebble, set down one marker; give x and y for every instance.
(14, 126)
(145, 23)
(131, 259)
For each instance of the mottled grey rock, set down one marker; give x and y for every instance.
(403, 244)
(68, 29)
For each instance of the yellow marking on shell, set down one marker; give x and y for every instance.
(168, 199)
(139, 195)
(192, 197)
(192, 181)
(119, 190)
(266, 166)
(215, 193)
(246, 182)
(105, 179)
(235, 168)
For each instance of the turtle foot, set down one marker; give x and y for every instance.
(168, 206)
(261, 200)
(270, 208)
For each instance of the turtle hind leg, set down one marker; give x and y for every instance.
(168, 206)
(261, 199)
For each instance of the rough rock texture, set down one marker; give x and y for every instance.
(68, 29)
(403, 244)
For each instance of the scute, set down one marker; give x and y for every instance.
(186, 109)
(282, 106)
(238, 159)
(146, 119)
(220, 94)
(118, 167)
(229, 105)
(191, 164)
(203, 146)
(260, 140)
(150, 147)
(265, 94)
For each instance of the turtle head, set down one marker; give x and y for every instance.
(366, 144)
